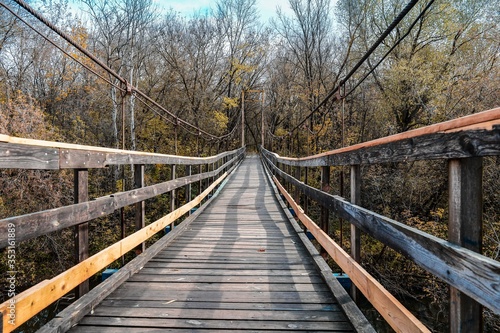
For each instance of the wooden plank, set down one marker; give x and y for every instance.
(40, 223)
(312, 279)
(112, 329)
(76, 155)
(178, 304)
(355, 232)
(473, 135)
(396, 315)
(220, 296)
(470, 272)
(81, 231)
(225, 272)
(465, 228)
(15, 156)
(33, 300)
(68, 317)
(195, 324)
(225, 314)
(226, 287)
(140, 207)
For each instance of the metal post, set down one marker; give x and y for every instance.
(465, 229)
(81, 231)
(140, 207)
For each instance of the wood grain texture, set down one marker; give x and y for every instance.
(465, 228)
(474, 135)
(40, 223)
(38, 298)
(471, 273)
(442, 145)
(16, 156)
(239, 266)
(396, 315)
(21, 153)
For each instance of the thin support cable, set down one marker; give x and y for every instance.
(59, 47)
(333, 92)
(129, 86)
(391, 49)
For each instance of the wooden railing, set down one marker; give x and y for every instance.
(18, 153)
(473, 278)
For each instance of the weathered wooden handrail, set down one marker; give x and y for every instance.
(474, 135)
(389, 307)
(20, 153)
(462, 142)
(35, 154)
(472, 273)
(40, 223)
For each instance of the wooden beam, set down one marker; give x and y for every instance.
(325, 213)
(443, 145)
(472, 273)
(187, 188)
(355, 232)
(465, 228)
(17, 156)
(81, 231)
(387, 305)
(480, 140)
(35, 299)
(21, 153)
(140, 207)
(40, 223)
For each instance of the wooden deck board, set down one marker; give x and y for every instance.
(239, 266)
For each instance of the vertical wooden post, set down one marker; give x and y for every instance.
(465, 229)
(188, 186)
(81, 231)
(200, 183)
(243, 118)
(355, 232)
(262, 125)
(214, 177)
(172, 193)
(297, 191)
(325, 213)
(306, 198)
(140, 207)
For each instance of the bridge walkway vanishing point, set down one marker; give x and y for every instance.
(239, 265)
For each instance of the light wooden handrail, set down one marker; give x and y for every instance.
(398, 317)
(483, 121)
(37, 298)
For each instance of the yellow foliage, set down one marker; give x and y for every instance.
(229, 102)
(220, 120)
(281, 132)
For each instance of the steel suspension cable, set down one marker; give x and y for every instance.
(392, 48)
(130, 87)
(59, 47)
(387, 31)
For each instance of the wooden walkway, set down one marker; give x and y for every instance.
(240, 265)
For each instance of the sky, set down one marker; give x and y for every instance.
(267, 8)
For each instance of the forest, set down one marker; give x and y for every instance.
(439, 63)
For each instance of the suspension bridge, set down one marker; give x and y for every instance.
(241, 260)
